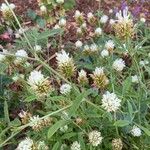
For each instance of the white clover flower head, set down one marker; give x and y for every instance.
(22, 30)
(62, 22)
(26, 144)
(110, 102)
(98, 31)
(37, 48)
(34, 120)
(22, 114)
(104, 53)
(15, 78)
(119, 64)
(64, 128)
(136, 132)
(86, 48)
(143, 62)
(84, 25)
(63, 58)
(123, 16)
(109, 45)
(95, 138)
(111, 21)
(60, 1)
(78, 44)
(42, 146)
(4, 7)
(63, 147)
(135, 79)
(90, 15)
(65, 89)
(56, 26)
(79, 30)
(35, 78)
(21, 53)
(98, 71)
(143, 19)
(78, 14)
(93, 47)
(43, 9)
(82, 73)
(104, 19)
(75, 146)
(110, 11)
(20, 56)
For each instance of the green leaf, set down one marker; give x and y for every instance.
(126, 85)
(3, 67)
(49, 33)
(69, 4)
(121, 123)
(30, 98)
(41, 22)
(15, 123)
(6, 112)
(52, 130)
(130, 108)
(56, 146)
(31, 14)
(69, 135)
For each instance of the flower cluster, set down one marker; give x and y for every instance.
(99, 78)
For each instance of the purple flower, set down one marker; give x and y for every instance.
(123, 5)
(136, 10)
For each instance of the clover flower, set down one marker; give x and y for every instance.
(62, 22)
(37, 48)
(123, 26)
(43, 9)
(78, 44)
(90, 17)
(135, 79)
(104, 19)
(117, 144)
(110, 102)
(119, 65)
(37, 123)
(109, 45)
(26, 144)
(93, 47)
(6, 10)
(64, 128)
(42, 146)
(98, 31)
(60, 1)
(65, 89)
(65, 64)
(104, 53)
(95, 138)
(38, 83)
(82, 77)
(75, 146)
(99, 78)
(79, 17)
(25, 116)
(136, 132)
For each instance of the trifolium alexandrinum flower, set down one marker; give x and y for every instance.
(60, 1)
(104, 53)
(62, 22)
(95, 138)
(21, 56)
(93, 47)
(39, 83)
(65, 89)
(99, 78)
(43, 9)
(142, 19)
(136, 132)
(26, 144)
(135, 79)
(37, 48)
(78, 44)
(64, 128)
(82, 77)
(75, 146)
(117, 144)
(42, 146)
(6, 10)
(109, 45)
(98, 31)
(119, 64)
(104, 19)
(110, 102)
(65, 64)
